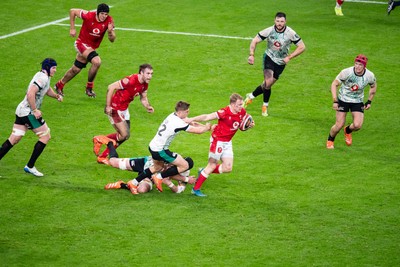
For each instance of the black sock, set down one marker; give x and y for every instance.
(267, 95)
(5, 147)
(330, 138)
(112, 151)
(143, 175)
(37, 150)
(347, 129)
(258, 91)
(170, 172)
(124, 186)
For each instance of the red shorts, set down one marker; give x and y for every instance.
(81, 47)
(119, 116)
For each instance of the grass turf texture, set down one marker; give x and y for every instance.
(288, 201)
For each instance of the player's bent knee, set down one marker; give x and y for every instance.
(44, 134)
(79, 65)
(190, 162)
(94, 58)
(227, 168)
(124, 137)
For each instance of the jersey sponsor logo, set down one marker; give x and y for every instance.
(277, 44)
(96, 31)
(354, 87)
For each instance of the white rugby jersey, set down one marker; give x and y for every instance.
(278, 43)
(167, 131)
(352, 85)
(42, 81)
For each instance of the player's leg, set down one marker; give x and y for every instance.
(43, 132)
(259, 89)
(340, 121)
(95, 60)
(158, 164)
(358, 119)
(269, 80)
(179, 164)
(391, 5)
(123, 134)
(79, 64)
(18, 132)
(203, 176)
(122, 127)
(338, 7)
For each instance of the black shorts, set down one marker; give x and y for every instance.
(270, 65)
(29, 121)
(353, 107)
(137, 164)
(163, 155)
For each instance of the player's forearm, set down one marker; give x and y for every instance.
(73, 13)
(299, 49)
(372, 92)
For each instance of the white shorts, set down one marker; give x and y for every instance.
(119, 116)
(220, 149)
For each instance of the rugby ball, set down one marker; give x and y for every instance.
(246, 122)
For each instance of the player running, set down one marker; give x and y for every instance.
(229, 118)
(95, 25)
(119, 95)
(352, 82)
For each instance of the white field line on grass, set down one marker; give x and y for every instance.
(33, 28)
(177, 33)
(57, 22)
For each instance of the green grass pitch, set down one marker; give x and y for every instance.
(288, 202)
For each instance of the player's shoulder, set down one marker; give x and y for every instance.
(109, 19)
(266, 31)
(40, 75)
(85, 14)
(222, 111)
(348, 70)
(369, 73)
(129, 79)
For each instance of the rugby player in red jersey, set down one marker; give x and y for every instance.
(95, 25)
(119, 95)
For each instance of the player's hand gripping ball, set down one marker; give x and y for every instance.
(246, 123)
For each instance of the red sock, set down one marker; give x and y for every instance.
(216, 170)
(340, 2)
(105, 153)
(90, 85)
(200, 180)
(60, 85)
(113, 136)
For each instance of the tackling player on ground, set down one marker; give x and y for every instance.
(139, 164)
